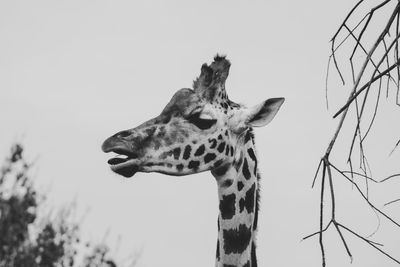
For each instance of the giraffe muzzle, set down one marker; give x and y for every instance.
(126, 162)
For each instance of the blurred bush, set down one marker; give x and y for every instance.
(30, 240)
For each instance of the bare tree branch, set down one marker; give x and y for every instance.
(367, 83)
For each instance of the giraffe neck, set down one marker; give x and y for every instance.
(238, 195)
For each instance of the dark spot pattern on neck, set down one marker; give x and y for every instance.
(240, 185)
(257, 204)
(252, 155)
(253, 255)
(221, 170)
(248, 136)
(245, 170)
(217, 253)
(248, 201)
(227, 206)
(236, 240)
(227, 183)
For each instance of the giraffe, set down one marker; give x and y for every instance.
(199, 130)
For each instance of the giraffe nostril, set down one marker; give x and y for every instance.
(124, 134)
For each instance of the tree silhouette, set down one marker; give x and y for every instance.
(26, 239)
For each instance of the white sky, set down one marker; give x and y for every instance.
(72, 73)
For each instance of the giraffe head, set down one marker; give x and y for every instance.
(198, 130)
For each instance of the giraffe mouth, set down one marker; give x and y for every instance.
(125, 166)
(117, 160)
(125, 163)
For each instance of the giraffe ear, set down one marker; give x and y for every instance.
(263, 113)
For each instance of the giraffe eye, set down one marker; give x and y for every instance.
(205, 116)
(202, 121)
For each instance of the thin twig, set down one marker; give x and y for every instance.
(354, 96)
(391, 202)
(366, 199)
(316, 173)
(321, 216)
(390, 177)
(362, 175)
(373, 244)
(316, 233)
(395, 146)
